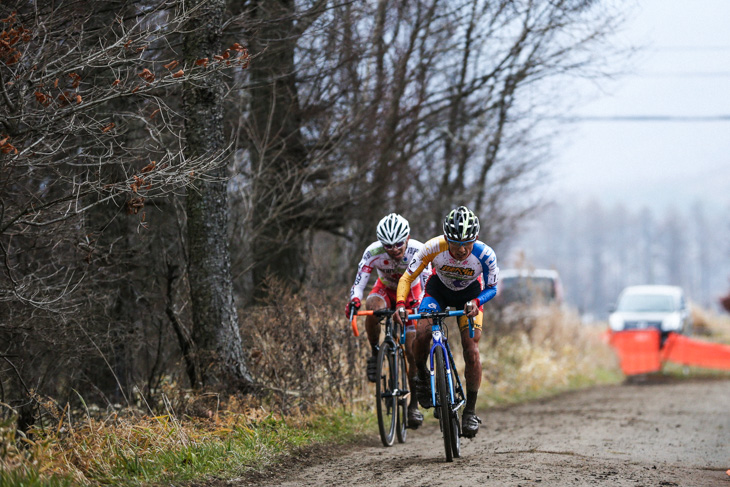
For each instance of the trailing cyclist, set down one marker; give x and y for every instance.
(464, 277)
(389, 256)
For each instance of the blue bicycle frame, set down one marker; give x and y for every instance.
(439, 341)
(446, 387)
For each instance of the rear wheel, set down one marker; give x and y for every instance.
(442, 395)
(385, 399)
(402, 399)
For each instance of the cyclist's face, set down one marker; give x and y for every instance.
(460, 251)
(397, 251)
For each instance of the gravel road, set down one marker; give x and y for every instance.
(655, 433)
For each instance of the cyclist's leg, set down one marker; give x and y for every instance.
(472, 359)
(472, 373)
(415, 418)
(422, 341)
(377, 299)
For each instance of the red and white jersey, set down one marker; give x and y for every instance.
(389, 271)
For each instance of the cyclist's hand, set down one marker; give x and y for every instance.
(401, 314)
(471, 308)
(354, 304)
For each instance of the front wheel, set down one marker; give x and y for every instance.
(444, 406)
(455, 433)
(402, 399)
(385, 398)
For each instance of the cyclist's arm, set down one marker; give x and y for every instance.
(490, 271)
(364, 269)
(424, 277)
(420, 261)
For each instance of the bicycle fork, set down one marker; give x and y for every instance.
(438, 342)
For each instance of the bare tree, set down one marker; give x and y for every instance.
(218, 347)
(413, 106)
(92, 157)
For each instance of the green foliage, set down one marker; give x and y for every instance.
(31, 478)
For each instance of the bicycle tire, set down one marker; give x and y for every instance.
(385, 400)
(455, 434)
(442, 395)
(402, 386)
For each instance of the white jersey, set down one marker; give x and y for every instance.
(389, 271)
(455, 274)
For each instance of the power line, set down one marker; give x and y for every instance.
(682, 74)
(645, 118)
(689, 48)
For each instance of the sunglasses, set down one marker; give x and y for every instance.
(394, 246)
(460, 244)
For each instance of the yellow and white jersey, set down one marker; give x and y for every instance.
(455, 274)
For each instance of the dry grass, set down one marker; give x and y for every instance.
(134, 449)
(303, 351)
(314, 391)
(710, 324)
(550, 350)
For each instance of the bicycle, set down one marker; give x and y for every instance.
(391, 387)
(447, 393)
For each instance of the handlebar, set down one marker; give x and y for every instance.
(417, 316)
(443, 314)
(368, 312)
(354, 322)
(436, 314)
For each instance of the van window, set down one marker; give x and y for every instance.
(645, 302)
(527, 290)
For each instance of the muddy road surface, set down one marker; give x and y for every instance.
(655, 433)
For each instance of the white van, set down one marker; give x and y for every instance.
(529, 287)
(662, 307)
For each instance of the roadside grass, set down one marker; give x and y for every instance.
(550, 351)
(677, 371)
(710, 325)
(162, 450)
(525, 356)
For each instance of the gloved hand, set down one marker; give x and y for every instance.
(471, 308)
(401, 314)
(355, 303)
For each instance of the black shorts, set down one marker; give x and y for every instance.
(448, 297)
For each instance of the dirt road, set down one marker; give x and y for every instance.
(673, 433)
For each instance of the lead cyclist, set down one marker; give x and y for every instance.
(464, 276)
(389, 256)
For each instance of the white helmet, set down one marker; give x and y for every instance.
(393, 229)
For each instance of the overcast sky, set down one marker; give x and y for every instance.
(659, 136)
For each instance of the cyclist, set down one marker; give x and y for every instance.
(389, 256)
(464, 276)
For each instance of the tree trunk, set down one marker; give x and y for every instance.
(279, 157)
(215, 322)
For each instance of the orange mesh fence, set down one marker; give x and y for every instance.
(638, 350)
(687, 351)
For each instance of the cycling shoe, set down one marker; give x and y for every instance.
(415, 418)
(372, 367)
(470, 425)
(423, 390)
